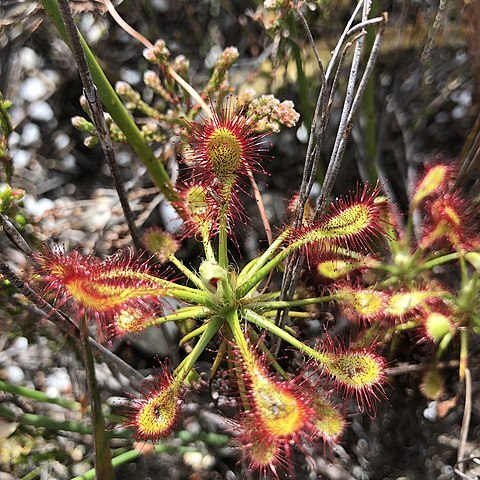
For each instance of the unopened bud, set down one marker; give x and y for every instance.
(150, 131)
(82, 124)
(181, 65)
(126, 91)
(84, 104)
(228, 57)
(91, 141)
(158, 54)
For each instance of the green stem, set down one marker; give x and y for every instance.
(369, 336)
(475, 319)
(43, 421)
(170, 289)
(261, 273)
(246, 270)
(193, 334)
(236, 329)
(117, 110)
(39, 396)
(440, 260)
(116, 461)
(442, 346)
(388, 282)
(291, 314)
(182, 314)
(103, 455)
(262, 322)
(223, 240)
(271, 359)
(34, 473)
(132, 455)
(213, 439)
(463, 266)
(190, 295)
(222, 352)
(408, 228)
(182, 371)
(293, 303)
(265, 296)
(256, 264)
(245, 351)
(207, 245)
(402, 327)
(187, 272)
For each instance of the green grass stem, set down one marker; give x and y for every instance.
(134, 454)
(39, 396)
(293, 303)
(43, 421)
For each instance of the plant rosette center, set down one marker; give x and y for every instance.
(217, 281)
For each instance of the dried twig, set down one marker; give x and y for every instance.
(408, 369)
(96, 112)
(16, 238)
(311, 40)
(314, 142)
(338, 71)
(462, 475)
(341, 41)
(261, 207)
(320, 120)
(361, 26)
(337, 154)
(350, 108)
(312, 158)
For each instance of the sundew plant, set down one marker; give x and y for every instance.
(400, 292)
(291, 395)
(278, 409)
